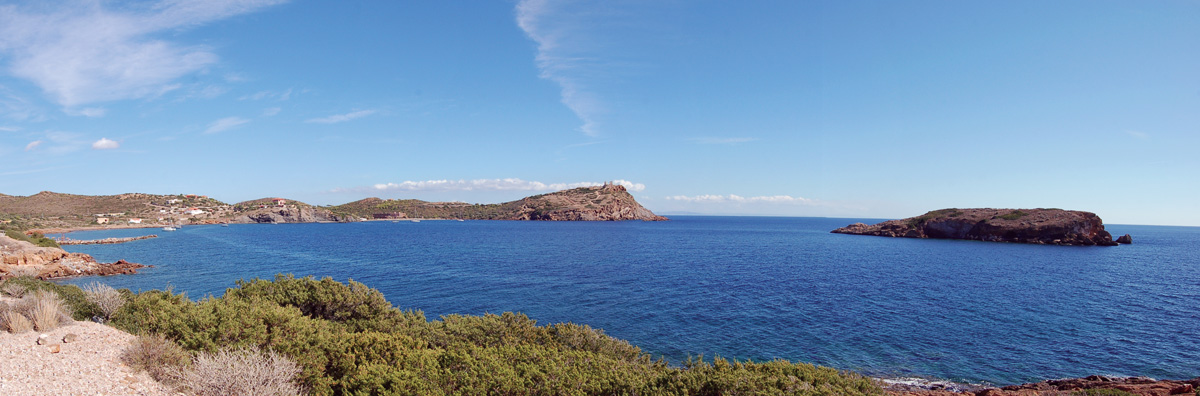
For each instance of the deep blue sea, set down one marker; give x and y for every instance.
(746, 288)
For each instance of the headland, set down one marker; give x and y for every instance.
(1036, 226)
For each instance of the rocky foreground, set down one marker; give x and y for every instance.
(1037, 226)
(19, 258)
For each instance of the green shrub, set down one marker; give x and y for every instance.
(348, 340)
(1016, 214)
(37, 238)
(1103, 392)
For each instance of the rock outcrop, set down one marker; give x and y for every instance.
(1038, 226)
(24, 258)
(1141, 386)
(1125, 239)
(285, 214)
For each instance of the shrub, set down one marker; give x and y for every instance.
(76, 301)
(46, 310)
(13, 321)
(107, 299)
(155, 355)
(239, 372)
(351, 303)
(13, 289)
(1016, 214)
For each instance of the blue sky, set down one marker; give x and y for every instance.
(834, 108)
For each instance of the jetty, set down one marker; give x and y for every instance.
(105, 241)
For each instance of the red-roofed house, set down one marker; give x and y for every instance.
(279, 201)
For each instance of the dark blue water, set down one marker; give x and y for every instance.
(747, 288)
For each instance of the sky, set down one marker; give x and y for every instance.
(792, 108)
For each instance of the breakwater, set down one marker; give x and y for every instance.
(105, 241)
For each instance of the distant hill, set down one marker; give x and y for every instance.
(49, 210)
(1038, 226)
(599, 203)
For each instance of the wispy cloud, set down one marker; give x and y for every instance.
(731, 198)
(721, 140)
(105, 144)
(556, 32)
(225, 124)
(271, 111)
(33, 145)
(268, 95)
(82, 52)
(9, 129)
(1138, 134)
(511, 184)
(333, 119)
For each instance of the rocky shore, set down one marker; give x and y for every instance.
(1141, 386)
(1037, 226)
(19, 258)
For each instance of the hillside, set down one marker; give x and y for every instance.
(599, 203)
(1037, 226)
(279, 210)
(54, 210)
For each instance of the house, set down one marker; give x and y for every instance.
(172, 201)
(279, 201)
(135, 221)
(194, 211)
(101, 220)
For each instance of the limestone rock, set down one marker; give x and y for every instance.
(1125, 239)
(69, 338)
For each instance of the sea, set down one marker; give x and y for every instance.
(745, 288)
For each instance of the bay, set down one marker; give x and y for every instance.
(745, 288)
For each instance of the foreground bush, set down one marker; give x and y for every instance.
(106, 299)
(13, 321)
(348, 340)
(238, 372)
(74, 300)
(155, 355)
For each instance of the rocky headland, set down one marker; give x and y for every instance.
(21, 258)
(1037, 226)
(609, 202)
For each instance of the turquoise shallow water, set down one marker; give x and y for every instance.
(747, 288)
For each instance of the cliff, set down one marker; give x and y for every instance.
(1038, 226)
(598, 203)
(19, 258)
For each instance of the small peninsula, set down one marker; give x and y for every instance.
(1036, 226)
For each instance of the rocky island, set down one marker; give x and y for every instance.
(1037, 226)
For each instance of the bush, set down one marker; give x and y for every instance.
(107, 299)
(346, 339)
(46, 310)
(13, 289)
(239, 372)
(76, 302)
(13, 321)
(155, 355)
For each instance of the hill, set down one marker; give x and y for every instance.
(50, 209)
(599, 203)
(279, 210)
(1038, 226)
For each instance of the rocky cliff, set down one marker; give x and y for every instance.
(269, 210)
(1039, 226)
(19, 258)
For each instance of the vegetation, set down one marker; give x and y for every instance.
(347, 339)
(1016, 214)
(75, 301)
(37, 238)
(106, 299)
(39, 310)
(922, 219)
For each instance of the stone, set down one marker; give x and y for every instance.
(69, 338)
(1125, 239)
(43, 339)
(56, 348)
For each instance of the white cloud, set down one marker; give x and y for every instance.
(9, 129)
(1138, 134)
(272, 95)
(333, 119)
(82, 52)
(556, 32)
(225, 124)
(32, 145)
(271, 111)
(717, 140)
(731, 198)
(105, 144)
(511, 184)
(89, 112)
